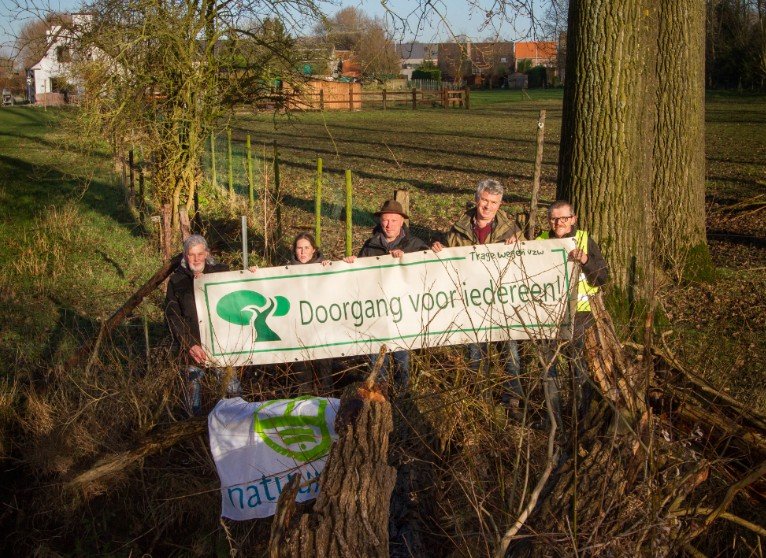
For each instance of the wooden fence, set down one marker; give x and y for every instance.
(353, 99)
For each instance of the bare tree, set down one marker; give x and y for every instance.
(162, 73)
(351, 29)
(33, 38)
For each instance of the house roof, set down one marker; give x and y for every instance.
(535, 49)
(414, 50)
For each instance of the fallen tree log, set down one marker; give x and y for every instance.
(91, 348)
(159, 440)
(350, 515)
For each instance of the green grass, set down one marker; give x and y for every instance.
(71, 251)
(438, 155)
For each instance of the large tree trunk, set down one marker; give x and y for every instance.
(350, 516)
(632, 144)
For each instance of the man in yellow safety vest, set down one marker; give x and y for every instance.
(594, 274)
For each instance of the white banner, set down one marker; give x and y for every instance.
(259, 447)
(460, 295)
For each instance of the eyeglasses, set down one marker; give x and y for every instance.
(557, 220)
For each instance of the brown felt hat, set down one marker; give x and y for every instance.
(392, 206)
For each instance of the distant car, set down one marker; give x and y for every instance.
(7, 97)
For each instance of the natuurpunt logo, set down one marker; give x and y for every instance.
(252, 308)
(298, 436)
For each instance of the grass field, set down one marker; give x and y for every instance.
(72, 251)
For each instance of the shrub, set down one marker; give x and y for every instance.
(538, 77)
(427, 70)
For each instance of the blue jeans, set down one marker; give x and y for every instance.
(194, 374)
(401, 365)
(509, 352)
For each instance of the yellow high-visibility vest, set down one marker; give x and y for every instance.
(584, 289)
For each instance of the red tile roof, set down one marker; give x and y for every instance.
(535, 49)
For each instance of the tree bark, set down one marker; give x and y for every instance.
(632, 144)
(350, 516)
(679, 145)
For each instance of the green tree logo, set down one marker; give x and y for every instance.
(252, 308)
(300, 437)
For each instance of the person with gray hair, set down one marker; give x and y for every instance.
(484, 223)
(181, 311)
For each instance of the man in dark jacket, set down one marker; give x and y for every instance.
(594, 274)
(180, 309)
(486, 223)
(181, 312)
(391, 236)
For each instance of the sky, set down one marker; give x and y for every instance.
(448, 18)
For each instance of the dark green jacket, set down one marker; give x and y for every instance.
(461, 233)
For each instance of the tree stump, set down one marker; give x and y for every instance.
(350, 516)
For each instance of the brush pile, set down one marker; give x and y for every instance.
(101, 457)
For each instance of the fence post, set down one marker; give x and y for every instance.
(245, 250)
(250, 181)
(384, 98)
(351, 95)
(414, 98)
(403, 197)
(145, 323)
(277, 200)
(532, 221)
(318, 205)
(467, 98)
(321, 99)
(124, 172)
(349, 214)
(230, 162)
(141, 196)
(214, 180)
(132, 177)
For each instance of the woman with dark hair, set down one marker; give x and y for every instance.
(311, 372)
(306, 251)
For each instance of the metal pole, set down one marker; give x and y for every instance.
(244, 242)
(146, 342)
(532, 222)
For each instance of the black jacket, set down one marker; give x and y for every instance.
(180, 310)
(375, 245)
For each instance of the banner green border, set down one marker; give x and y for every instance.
(377, 339)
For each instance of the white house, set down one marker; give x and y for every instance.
(53, 73)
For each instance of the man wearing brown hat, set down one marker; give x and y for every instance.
(392, 236)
